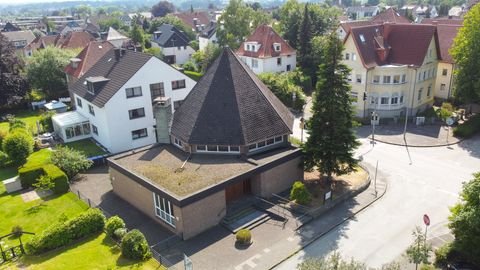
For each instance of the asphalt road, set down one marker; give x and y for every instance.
(428, 185)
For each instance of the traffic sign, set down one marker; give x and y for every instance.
(426, 220)
(450, 121)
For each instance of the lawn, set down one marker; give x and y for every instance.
(36, 215)
(96, 252)
(28, 116)
(87, 146)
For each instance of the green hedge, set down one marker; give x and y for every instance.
(193, 75)
(29, 176)
(468, 128)
(61, 234)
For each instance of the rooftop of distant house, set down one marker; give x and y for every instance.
(181, 175)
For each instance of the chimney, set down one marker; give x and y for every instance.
(162, 111)
(117, 54)
(74, 62)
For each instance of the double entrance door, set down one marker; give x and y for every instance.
(238, 190)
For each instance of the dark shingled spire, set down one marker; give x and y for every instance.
(230, 106)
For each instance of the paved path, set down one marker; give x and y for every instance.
(429, 184)
(215, 249)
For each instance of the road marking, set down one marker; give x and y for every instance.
(290, 239)
(266, 250)
(249, 262)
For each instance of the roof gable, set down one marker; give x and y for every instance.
(168, 35)
(88, 56)
(390, 16)
(266, 37)
(230, 106)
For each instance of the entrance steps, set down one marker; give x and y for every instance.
(247, 217)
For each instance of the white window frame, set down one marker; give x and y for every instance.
(133, 89)
(177, 142)
(166, 214)
(262, 144)
(376, 79)
(386, 98)
(207, 149)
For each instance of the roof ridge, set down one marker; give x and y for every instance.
(260, 85)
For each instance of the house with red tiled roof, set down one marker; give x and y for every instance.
(393, 68)
(197, 20)
(266, 51)
(71, 40)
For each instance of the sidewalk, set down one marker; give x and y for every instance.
(273, 243)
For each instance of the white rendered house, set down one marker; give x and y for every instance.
(115, 97)
(266, 51)
(173, 43)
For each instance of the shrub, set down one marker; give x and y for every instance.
(15, 123)
(29, 175)
(300, 194)
(189, 66)
(3, 159)
(193, 75)
(70, 161)
(244, 236)
(284, 88)
(442, 255)
(44, 182)
(58, 178)
(468, 128)
(119, 233)
(3, 134)
(60, 234)
(135, 246)
(113, 224)
(46, 121)
(18, 145)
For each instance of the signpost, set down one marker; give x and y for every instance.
(426, 220)
(450, 121)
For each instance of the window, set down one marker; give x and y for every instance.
(177, 104)
(164, 209)
(248, 47)
(134, 92)
(359, 78)
(178, 84)
(79, 102)
(384, 101)
(362, 38)
(374, 100)
(347, 56)
(394, 100)
(349, 77)
(90, 109)
(420, 76)
(254, 63)
(354, 56)
(429, 90)
(157, 90)
(424, 75)
(90, 88)
(136, 113)
(177, 142)
(279, 61)
(404, 78)
(277, 48)
(376, 79)
(201, 148)
(396, 79)
(95, 129)
(139, 133)
(267, 142)
(442, 87)
(386, 79)
(79, 129)
(420, 94)
(401, 99)
(444, 72)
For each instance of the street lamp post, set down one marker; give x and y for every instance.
(374, 120)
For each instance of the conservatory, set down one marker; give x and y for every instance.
(71, 126)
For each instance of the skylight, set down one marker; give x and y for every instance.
(362, 38)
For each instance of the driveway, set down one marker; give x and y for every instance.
(95, 185)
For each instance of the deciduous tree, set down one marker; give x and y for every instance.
(332, 141)
(466, 52)
(70, 161)
(162, 8)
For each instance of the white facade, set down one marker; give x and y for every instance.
(203, 41)
(281, 63)
(445, 79)
(112, 122)
(182, 53)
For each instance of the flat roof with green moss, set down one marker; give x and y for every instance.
(181, 175)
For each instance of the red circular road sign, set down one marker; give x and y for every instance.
(426, 219)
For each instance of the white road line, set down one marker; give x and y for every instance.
(249, 262)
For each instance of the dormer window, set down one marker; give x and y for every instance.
(277, 47)
(248, 47)
(95, 83)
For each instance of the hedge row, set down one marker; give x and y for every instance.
(29, 176)
(193, 75)
(61, 234)
(468, 128)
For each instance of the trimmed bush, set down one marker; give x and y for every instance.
(46, 121)
(300, 194)
(29, 175)
(58, 177)
(193, 75)
(61, 234)
(468, 128)
(114, 223)
(17, 230)
(18, 145)
(244, 236)
(16, 124)
(119, 233)
(135, 246)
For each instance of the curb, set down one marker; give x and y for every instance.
(315, 238)
(417, 146)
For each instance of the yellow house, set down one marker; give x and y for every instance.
(393, 68)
